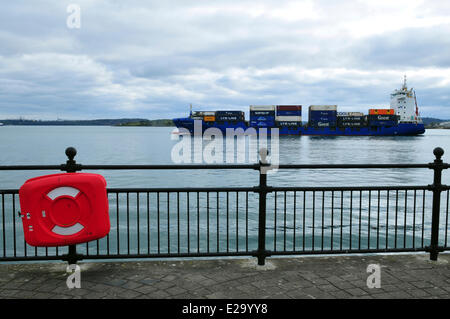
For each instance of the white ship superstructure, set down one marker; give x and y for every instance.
(404, 103)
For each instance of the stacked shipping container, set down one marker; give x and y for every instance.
(262, 115)
(289, 115)
(322, 115)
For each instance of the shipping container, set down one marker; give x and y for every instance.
(322, 113)
(323, 120)
(262, 123)
(263, 113)
(203, 113)
(382, 123)
(322, 124)
(350, 114)
(229, 113)
(352, 124)
(288, 124)
(382, 118)
(289, 108)
(269, 116)
(289, 113)
(323, 107)
(351, 118)
(262, 120)
(289, 118)
(262, 117)
(228, 118)
(381, 112)
(262, 107)
(209, 118)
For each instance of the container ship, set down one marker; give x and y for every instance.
(402, 118)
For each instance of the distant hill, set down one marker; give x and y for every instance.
(431, 123)
(98, 122)
(163, 122)
(432, 120)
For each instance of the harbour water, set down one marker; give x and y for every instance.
(146, 145)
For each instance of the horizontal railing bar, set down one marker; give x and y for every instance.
(9, 191)
(172, 167)
(30, 167)
(30, 258)
(349, 166)
(123, 256)
(347, 251)
(346, 188)
(181, 190)
(63, 167)
(173, 255)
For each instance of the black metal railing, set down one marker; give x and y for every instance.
(258, 221)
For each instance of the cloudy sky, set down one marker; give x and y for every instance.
(151, 59)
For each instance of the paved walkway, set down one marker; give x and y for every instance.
(402, 276)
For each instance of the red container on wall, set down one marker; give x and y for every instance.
(64, 209)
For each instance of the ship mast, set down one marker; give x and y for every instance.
(417, 108)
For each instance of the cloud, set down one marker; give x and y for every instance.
(152, 59)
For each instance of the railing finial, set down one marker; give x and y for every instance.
(438, 152)
(71, 152)
(71, 165)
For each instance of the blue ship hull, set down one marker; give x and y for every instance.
(401, 129)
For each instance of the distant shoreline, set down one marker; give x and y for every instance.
(98, 122)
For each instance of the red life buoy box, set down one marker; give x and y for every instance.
(64, 209)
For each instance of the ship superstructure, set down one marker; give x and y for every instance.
(404, 103)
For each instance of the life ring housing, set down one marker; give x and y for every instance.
(64, 209)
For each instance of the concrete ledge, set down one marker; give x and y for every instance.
(402, 276)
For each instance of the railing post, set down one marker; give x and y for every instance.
(72, 257)
(262, 253)
(436, 188)
(71, 167)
